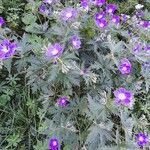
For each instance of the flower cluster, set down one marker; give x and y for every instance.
(101, 17)
(139, 47)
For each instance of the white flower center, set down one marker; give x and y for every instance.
(5, 49)
(54, 51)
(142, 23)
(101, 25)
(100, 16)
(74, 43)
(124, 68)
(114, 20)
(54, 143)
(63, 101)
(121, 96)
(110, 10)
(68, 15)
(141, 139)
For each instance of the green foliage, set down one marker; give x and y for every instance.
(30, 83)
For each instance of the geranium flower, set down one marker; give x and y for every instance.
(62, 101)
(100, 15)
(144, 23)
(124, 66)
(68, 14)
(53, 144)
(115, 19)
(53, 51)
(111, 8)
(101, 23)
(7, 49)
(141, 138)
(75, 41)
(123, 96)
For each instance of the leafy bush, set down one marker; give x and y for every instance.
(74, 75)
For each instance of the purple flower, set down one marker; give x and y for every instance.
(137, 47)
(53, 51)
(110, 8)
(115, 19)
(123, 96)
(139, 13)
(84, 4)
(62, 101)
(99, 15)
(48, 1)
(124, 66)
(43, 9)
(101, 23)
(141, 138)
(53, 144)
(1, 21)
(68, 14)
(7, 49)
(125, 17)
(98, 2)
(75, 41)
(144, 23)
(147, 48)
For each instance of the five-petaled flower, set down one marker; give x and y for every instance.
(100, 15)
(115, 19)
(123, 96)
(62, 101)
(54, 50)
(68, 14)
(125, 66)
(75, 41)
(111, 8)
(53, 144)
(7, 48)
(101, 23)
(141, 138)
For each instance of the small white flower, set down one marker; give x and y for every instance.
(139, 6)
